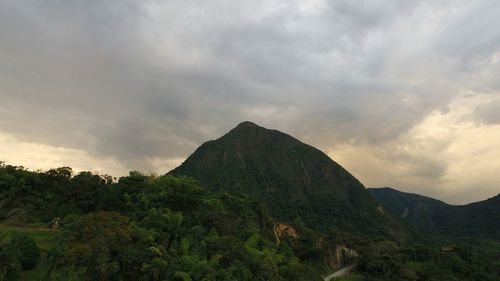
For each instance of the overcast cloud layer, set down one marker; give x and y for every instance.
(402, 93)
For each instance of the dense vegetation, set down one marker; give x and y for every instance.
(140, 228)
(168, 228)
(268, 208)
(294, 179)
(473, 221)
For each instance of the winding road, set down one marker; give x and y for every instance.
(340, 272)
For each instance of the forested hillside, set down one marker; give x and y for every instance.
(477, 220)
(294, 179)
(55, 226)
(255, 204)
(139, 228)
(59, 226)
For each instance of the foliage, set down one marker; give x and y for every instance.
(145, 227)
(9, 265)
(350, 277)
(150, 228)
(292, 178)
(473, 221)
(385, 260)
(27, 252)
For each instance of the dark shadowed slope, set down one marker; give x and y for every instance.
(420, 210)
(479, 219)
(292, 178)
(475, 220)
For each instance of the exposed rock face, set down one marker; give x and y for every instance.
(340, 256)
(405, 213)
(337, 255)
(282, 230)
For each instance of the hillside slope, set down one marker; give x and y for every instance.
(476, 220)
(421, 211)
(294, 179)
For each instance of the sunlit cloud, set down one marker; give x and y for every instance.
(35, 156)
(448, 155)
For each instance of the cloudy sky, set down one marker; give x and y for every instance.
(402, 93)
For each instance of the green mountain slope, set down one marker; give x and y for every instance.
(475, 220)
(292, 178)
(479, 219)
(145, 227)
(424, 212)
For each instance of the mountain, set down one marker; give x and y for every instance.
(420, 210)
(479, 219)
(270, 208)
(475, 220)
(295, 180)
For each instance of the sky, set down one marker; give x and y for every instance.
(401, 93)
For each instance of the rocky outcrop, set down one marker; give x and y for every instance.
(340, 256)
(282, 230)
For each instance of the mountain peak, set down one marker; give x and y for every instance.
(247, 124)
(249, 132)
(291, 177)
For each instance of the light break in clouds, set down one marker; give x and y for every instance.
(402, 93)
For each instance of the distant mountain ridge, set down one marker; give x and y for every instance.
(296, 180)
(480, 219)
(418, 209)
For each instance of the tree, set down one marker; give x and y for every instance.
(26, 250)
(98, 242)
(8, 264)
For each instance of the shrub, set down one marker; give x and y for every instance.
(26, 250)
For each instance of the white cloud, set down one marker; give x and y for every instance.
(448, 156)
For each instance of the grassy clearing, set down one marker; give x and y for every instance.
(44, 238)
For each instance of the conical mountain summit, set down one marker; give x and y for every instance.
(293, 179)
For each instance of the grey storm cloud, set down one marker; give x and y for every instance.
(134, 80)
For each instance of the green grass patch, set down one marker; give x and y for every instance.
(44, 238)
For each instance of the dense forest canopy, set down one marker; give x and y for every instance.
(60, 226)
